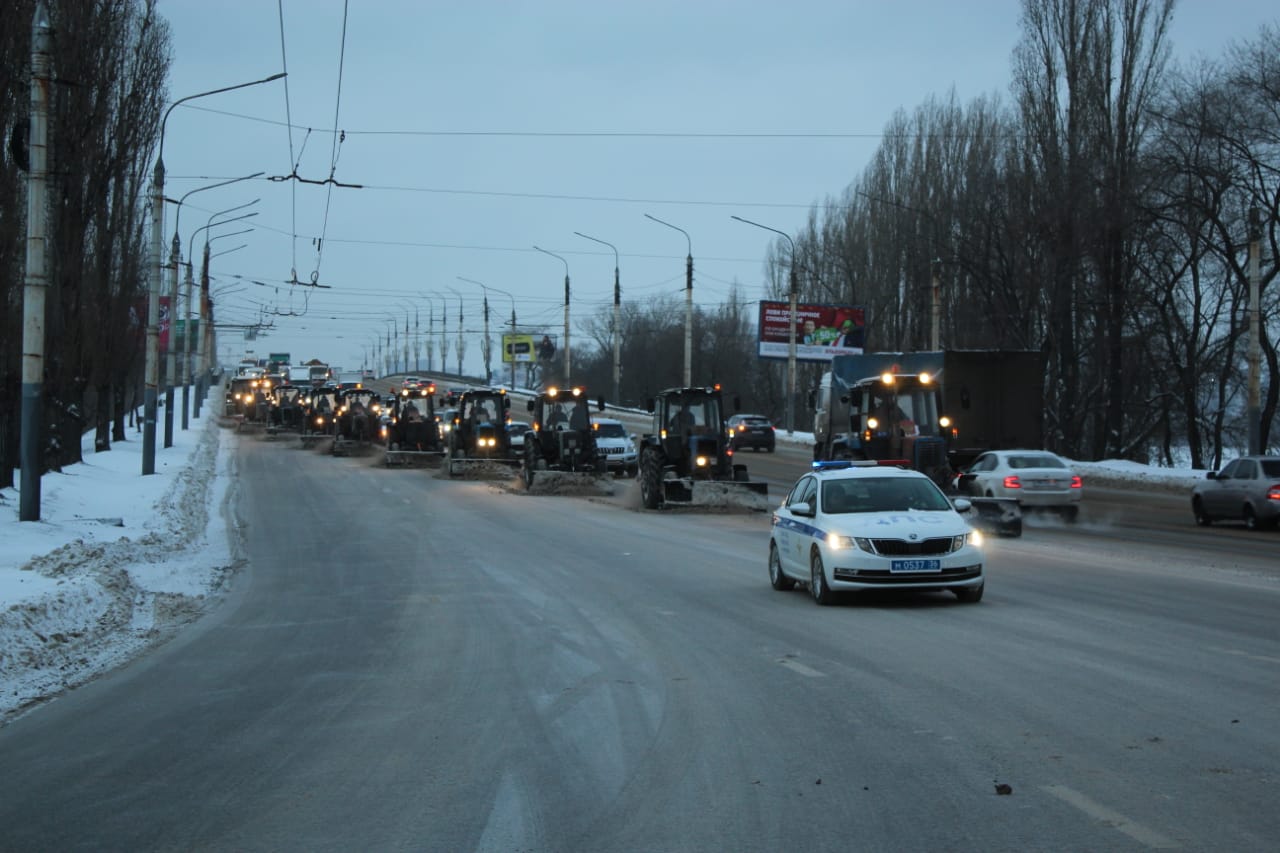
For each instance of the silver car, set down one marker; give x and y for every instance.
(1247, 490)
(1036, 479)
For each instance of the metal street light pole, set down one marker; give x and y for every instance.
(791, 343)
(486, 345)
(1254, 410)
(152, 373)
(617, 315)
(444, 329)
(175, 260)
(462, 346)
(431, 330)
(566, 311)
(688, 303)
(36, 284)
(205, 351)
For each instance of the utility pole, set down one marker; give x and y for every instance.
(171, 356)
(935, 317)
(791, 339)
(615, 332)
(1255, 344)
(688, 303)
(36, 285)
(567, 362)
(186, 349)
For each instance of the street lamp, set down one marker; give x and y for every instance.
(617, 314)
(1254, 405)
(186, 322)
(485, 345)
(462, 346)
(566, 310)
(791, 341)
(688, 303)
(444, 324)
(152, 377)
(204, 349)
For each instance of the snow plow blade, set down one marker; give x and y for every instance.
(349, 447)
(1001, 516)
(480, 468)
(715, 492)
(413, 458)
(551, 482)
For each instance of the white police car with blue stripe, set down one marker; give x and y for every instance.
(850, 526)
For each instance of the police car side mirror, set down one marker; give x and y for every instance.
(802, 508)
(529, 405)
(962, 504)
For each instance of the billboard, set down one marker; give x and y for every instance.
(517, 348)
(822, 331)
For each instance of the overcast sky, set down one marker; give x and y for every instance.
(478, 130)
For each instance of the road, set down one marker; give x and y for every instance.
(443, 665)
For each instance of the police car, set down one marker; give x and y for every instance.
(851, 526)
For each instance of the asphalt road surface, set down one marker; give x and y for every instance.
(413, 663)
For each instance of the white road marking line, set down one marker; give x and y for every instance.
(1099, 812)
(801, 669)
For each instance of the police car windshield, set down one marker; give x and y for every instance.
(882, 494)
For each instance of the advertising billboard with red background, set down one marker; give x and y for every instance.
(822, 331)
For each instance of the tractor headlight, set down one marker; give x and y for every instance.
(701, 462)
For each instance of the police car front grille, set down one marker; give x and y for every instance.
(904, 548)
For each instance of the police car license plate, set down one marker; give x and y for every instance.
(914, 566)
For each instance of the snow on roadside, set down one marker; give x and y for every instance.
(117, 563)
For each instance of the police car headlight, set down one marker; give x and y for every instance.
(973, 537)
(865, 544)
(840, 543)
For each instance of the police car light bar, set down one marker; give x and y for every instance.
(841, 464)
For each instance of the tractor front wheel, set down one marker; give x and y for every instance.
(651, 494)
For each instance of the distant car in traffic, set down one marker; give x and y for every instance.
(516, 431)
(1246, 489)
(1036, 479)
(859, 526)
(754, 431)
(616, 446)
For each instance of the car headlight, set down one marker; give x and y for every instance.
(840, 543)
(973, 537)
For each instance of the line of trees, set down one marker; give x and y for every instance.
(1102, 218)
(110, 60)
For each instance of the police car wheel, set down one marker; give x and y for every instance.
(777, 577)
(822, 593)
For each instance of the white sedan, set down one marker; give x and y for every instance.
(856, 527)
(1034, 478)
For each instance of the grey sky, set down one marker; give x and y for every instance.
(457, 118)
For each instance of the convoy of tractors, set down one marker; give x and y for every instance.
(465, 432)
(932, 411)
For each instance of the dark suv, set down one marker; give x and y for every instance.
(754, 431)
